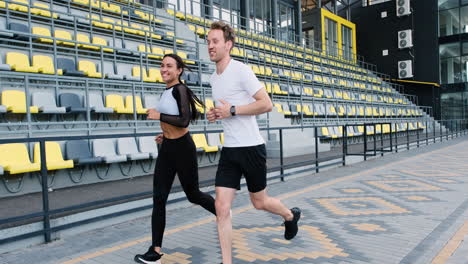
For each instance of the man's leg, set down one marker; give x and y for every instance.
(261, 201)
(255, 172)
(224, 198)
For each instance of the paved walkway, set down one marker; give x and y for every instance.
(409, 208)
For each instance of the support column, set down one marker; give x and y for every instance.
(299, 21)
(207, 9)
(245, 14)
(274, 17)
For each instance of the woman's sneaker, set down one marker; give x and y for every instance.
(150, 256)
(291, 227)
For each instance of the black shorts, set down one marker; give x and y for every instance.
(238, 161)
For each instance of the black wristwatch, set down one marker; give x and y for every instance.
(233, 110)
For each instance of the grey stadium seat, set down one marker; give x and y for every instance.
(151, 101)
(214, 139)
(97, 105)
(79, 152)
(105, 149)
(1, 170)
(148, 145)
(3, 66)
(3, 109)
(46, 103)
(127, 146)
(71, 102)
(68, 67)
(21, 31)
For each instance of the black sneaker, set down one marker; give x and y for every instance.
(150, 256)
(291, 226)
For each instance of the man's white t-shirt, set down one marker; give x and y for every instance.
(237, 85)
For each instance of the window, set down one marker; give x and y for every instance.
(449, 50)
(464, 72)
(347, 42)
(449, 22)
(331, 37)
(446, 4)
(450, 70)
(464, 19)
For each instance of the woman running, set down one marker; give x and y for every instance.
(177, 106)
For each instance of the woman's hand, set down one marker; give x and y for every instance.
(159, 138)
(152, 114)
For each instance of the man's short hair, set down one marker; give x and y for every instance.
(228, 32)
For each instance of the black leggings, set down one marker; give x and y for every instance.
(176, 156)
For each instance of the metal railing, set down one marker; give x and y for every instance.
(393, 139)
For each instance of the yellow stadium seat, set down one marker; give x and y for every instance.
(386, 128)
(255, 69)
(17, 7)
(200, 108)
(209, 104)
(43, 64)
(134, 29)
(201, 143)
(201, 31)
(116, 102)
(183, 55)
(155, 74)
(102, 42)
(19, 62)
(85, 39)
(158, 51)
(54, 157)
(98, 23)
(138, 105)
(268, 87)
(89, 69)
(375, 111)
(83, 2)
(325, 132)
(111, 24)
(305, 109)
(15, 102)
(42, 10)
(170, 35)
(43, 32)
(341, 110)
(61, 34)
(308, 91)
(110, 7)
(136, 72)
(280, 109)
(14, 158)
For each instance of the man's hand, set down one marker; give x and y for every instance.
(152, 114)
(211, 115)
(159, 138)
(223, 110)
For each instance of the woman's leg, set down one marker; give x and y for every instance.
(163, 178)
(187, 170)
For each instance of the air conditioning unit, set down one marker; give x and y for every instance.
(405, 39)
(405, 69)
(403, 7)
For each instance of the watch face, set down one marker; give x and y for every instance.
(233, 110)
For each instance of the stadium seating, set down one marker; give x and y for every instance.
(54, 158)
(80, 153)
(14, 158)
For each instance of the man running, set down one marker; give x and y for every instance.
(239, 98)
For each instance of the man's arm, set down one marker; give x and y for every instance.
(261, 105)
